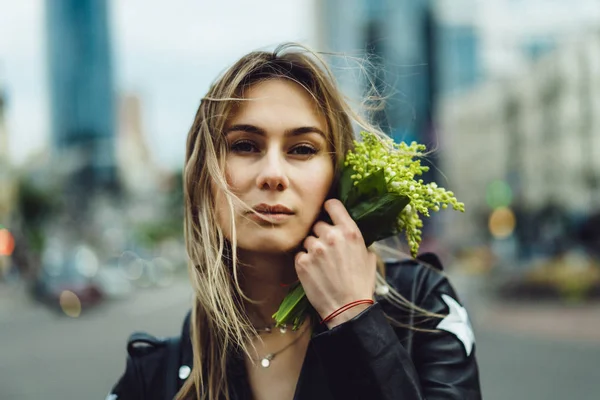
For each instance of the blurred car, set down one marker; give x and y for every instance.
(71, 273)
(113, 282)
(145, 271)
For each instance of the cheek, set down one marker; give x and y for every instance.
(317, 183)
(237, 176)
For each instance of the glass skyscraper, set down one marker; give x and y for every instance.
(82, 102)
(395, 37)
(419, 57)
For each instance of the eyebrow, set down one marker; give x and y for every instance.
(261, 132)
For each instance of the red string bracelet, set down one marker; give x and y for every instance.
(345, 308)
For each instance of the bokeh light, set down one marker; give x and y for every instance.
(498, 194)
(131, 265)
(7, 242)
(502, 223)
(70, 304)
(86, 261)
(53, 258)
(163, 271)
(114, 238)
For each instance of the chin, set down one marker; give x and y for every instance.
(269, 242)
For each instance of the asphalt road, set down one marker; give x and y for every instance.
(47, 356)
(44, 355)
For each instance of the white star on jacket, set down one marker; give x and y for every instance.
(457, 323)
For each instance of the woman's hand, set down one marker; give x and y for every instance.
(336, 267)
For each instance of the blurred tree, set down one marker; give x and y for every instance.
(36, 205)
(591, 177)
(170, 226)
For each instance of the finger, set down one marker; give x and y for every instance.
(321, 228)
(299, 256)
(338, 213)
(315, 247)
(310, 243)
(300, 262)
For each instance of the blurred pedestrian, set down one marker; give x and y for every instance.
(262, 156)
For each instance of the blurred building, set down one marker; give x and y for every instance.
(459, 78)
(425, 49)
(530, 142)
(81, 90)
(398, 38)
(508, 35)
(459, 46)
(419, 52)
(8, 191)
(4, 156)
(7, 176)
(136, 169)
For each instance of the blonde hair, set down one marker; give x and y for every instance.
(219, 323)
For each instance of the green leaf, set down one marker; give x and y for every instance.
(377, 218)
(346, 184)
(296, 317)
(294, 303)
(372, 186)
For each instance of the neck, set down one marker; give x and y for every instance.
(264, 278)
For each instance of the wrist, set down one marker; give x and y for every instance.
(345, 314)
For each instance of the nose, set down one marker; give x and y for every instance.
(272, 174)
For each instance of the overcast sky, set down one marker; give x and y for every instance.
(166, 52)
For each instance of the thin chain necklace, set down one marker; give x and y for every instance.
(265, 361)
(269, 328)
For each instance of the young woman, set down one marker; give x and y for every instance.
(262, 157)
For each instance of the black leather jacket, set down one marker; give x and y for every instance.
(364, 358)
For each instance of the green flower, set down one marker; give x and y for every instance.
(400, 164)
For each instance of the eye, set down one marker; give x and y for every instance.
(243, 146)
(303, 150)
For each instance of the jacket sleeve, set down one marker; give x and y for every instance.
(146, 370)
(363, 359)
(367, 358)
(129, 385)
(444, 356)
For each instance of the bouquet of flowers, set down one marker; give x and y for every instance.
(379, 187)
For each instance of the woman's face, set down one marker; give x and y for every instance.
(279, 164)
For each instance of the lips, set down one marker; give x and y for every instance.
(272, 209)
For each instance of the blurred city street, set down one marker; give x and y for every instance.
(51, 356)
(46, 355)
(534, 364)
(96, 104)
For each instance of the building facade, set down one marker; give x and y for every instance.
(538, 132)
(82, 102)
(7, 176)
(509, 35)
(396, 40)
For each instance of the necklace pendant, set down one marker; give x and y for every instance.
(266, 361)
